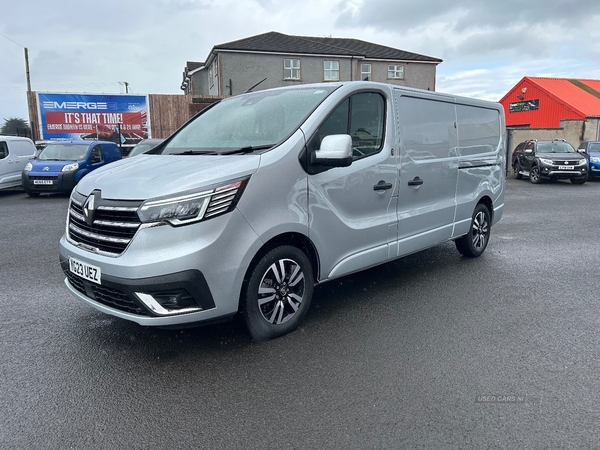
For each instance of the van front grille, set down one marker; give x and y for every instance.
(113, 225)
(105, 295)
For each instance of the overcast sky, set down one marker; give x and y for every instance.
(486, 46)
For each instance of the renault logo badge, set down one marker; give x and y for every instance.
(89, 208)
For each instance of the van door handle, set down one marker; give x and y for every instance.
(382, 186)
(416, 181)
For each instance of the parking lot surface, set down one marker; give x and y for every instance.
(430, 351)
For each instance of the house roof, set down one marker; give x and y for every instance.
(192, 65)
(580, 95)
(274, 42)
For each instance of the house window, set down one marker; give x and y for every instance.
(365, 72)
(331, 70)
(395, 71)
(291, 69)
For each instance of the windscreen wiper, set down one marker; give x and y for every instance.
(248, 149)
(196, 152)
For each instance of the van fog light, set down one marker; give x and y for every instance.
(169, 303)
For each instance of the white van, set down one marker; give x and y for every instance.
(15, 153)
(263, 195)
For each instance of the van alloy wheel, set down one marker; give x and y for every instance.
(474, 243)
(278, 293)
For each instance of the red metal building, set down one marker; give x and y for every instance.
(536, 102)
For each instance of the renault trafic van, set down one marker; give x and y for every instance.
(15, 153)
(263, 195)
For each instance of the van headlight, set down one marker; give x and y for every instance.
(28, 167)
(595, 159)
(70, 167)
(193, 206)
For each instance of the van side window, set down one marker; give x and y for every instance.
(480, 130)
(362, 116)
(427, 128)
(3, 150)
(96, 155)
(23, 148)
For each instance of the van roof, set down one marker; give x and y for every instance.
(4, 137)
(79, 142)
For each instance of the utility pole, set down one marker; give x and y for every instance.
(32, 124)
(126, 84)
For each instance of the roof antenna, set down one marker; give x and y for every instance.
(250, 89)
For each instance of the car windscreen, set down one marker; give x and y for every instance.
(594, 147)
(555, 147)
(248, 122)
(64, 152)
(140, 148)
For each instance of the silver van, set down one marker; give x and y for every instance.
(263, 195)
(15, 153)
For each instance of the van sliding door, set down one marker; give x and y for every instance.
(428, 172)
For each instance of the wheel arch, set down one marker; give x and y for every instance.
(297, 240)
(487, 201)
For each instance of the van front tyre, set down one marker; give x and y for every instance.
(475, 241)
(277, 293)
(32, 194)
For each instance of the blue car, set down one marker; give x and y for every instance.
(591, 150)
(60, 166)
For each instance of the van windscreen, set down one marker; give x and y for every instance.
(250, 121)
(64, 152)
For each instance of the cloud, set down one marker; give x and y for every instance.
(486, 46)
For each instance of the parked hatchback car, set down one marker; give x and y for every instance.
(549, 160)
(60, 166)
(591, 150)
(144, 146)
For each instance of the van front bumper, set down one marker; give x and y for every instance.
(169, 276)
(144, 299)
(45, 182)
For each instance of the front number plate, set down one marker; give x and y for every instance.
(42, 182)
(87, 271)
(566, 167)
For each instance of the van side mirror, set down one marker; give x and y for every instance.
(581, 150)
(528, 151)
(335, 151)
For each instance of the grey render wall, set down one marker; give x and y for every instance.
(573, 131)
(416, 75)
(246, 69)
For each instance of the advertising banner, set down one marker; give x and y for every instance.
(120, 118)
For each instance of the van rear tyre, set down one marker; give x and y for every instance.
(474, 243)
(277, 293)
